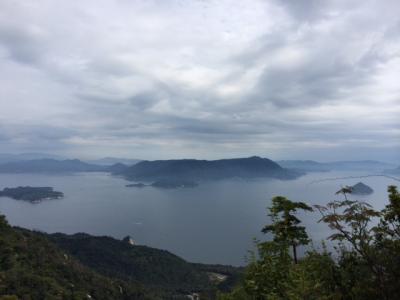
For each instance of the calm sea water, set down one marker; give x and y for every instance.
(212, 223)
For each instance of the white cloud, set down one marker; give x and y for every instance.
(200, 78)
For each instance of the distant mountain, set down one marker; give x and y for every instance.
(361, 189)
(314, 166)
(49, 166)
(304, 165)
(362, 165)
(194, 170)
(8, 157)
(116, 168)
(107, 161)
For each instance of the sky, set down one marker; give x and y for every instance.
(159, 79)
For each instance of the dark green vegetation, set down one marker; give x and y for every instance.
(361, 189)
(31, 267)
(285, 227)
(365, 264)
(152, 267)
(32, 194)
(36, 265)
(195, 170)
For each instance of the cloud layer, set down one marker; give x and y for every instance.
(206, 79)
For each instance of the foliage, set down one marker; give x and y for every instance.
(152, 267)
(33, 268)
(285, 225)
(366, 265)
(35, 265)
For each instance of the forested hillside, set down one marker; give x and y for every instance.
(35, 265)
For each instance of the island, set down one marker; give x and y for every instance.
(361, 189)
(206, 170)
(166, 184)
(137, 185)
(31, 194)
(174, 184)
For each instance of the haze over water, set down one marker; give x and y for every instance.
(212, 223)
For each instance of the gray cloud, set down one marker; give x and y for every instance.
(201, 78)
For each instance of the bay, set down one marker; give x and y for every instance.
(212, 223)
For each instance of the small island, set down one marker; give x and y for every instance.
(137, 185)
(361, 189)
(166, 184)
(174, 184)
(31, 194)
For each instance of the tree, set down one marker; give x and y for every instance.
(366, 265)
(352, 223)
(285, 225)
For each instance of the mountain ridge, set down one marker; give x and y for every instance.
(49, 165)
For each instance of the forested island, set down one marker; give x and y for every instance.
(205, 170)
(31, 194)
(166, 184)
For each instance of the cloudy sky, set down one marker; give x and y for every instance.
(201, 78)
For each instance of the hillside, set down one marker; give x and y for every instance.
(36, 265)
(152, 267)
(31, 267)
(192, 169)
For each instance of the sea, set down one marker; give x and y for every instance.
(215, 222)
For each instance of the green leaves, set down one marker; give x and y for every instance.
(284, 225)
(366, 265)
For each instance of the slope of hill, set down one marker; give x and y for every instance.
(192, 169)
(31, 267)
(36, 265)
(49, 166)
(152, 267)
